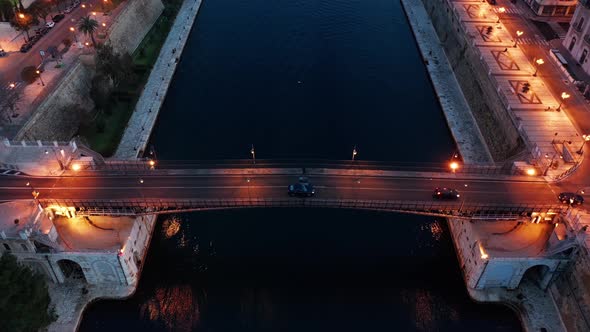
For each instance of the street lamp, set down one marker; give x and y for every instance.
(354, 152)
(34, 193)
(586, 139)
(253, 153)
(454, 166)
(41, 78)
(518, 34)
(152, 164)
(550, 163)
(74, 33)
(500, 10)
(531, 172)
(12, 85)
(564, 96)
(76, 167)
(539, 62)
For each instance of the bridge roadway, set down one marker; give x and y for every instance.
(97, 188)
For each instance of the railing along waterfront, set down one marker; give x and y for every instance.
(157, 206)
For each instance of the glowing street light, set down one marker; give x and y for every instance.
(41, 78)
(253, 153)
(518, 34)
(586, 139)
(76, 167)
(564, 96)
(531, 172)
(501, 10)
(152, 164)
(539, 62)
(74, 33)
(454, 166)
(21, 15)
(12, 85)
(35, 193)
(354, 152)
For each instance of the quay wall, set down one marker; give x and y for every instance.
(140, 126)
(462, 124)
(501, 135)
(133, 23)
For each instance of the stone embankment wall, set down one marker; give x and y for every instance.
(133, 23)
(501, 136)
(57, 117)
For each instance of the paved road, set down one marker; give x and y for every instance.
(11, 66)
(272, 186)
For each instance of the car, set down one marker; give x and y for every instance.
(58, 18)
(570, 198)
(446, 193)
(68, 10)
(301, 190)
(50, 24)
(2, 53)
(25, 47)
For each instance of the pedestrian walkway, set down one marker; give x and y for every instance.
(138, 130)
(508, 10)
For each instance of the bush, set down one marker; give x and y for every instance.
(67, 42)
(100, 126)
(29, 74)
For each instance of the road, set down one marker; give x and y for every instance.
(11, 65)
(170, 187)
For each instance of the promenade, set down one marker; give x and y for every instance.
(139, 128)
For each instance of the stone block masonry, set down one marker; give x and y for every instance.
(129, 28)
(462, 124)
(148, 106)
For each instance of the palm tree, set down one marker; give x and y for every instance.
(88, 26)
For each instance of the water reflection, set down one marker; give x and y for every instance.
(300, 270)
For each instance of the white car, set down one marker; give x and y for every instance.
(50, 24)
(68, 10)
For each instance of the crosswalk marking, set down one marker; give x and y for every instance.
(513, 11)
(531, 41)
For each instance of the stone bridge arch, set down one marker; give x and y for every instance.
(540, 274)
(71, 270)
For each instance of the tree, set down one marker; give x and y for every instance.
(25, 300)
(9, 98)
(40, 9)
(23, 21)
(112, 65)
(100, 92)
(88, 26)
(29, 74)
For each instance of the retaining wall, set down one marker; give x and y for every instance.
(133, 23)
(501, 135)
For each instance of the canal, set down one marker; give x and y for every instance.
(301, 79)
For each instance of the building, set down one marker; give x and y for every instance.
(66, 248)
(577, 40)
(553, 7)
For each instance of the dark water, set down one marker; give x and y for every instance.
(300, 270)
(361, 82)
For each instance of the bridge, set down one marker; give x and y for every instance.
(135, 188)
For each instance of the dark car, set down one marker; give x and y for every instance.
(445, 193)
(58, 18)
(25, 47)
(301, 190)
(2, 53)
(570, 198)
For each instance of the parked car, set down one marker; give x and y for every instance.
(50, 24)
(58, 18)
(76, 3)
(68, 10)
(446, 193)
(570, 198)
(26, 47)
(2, 53)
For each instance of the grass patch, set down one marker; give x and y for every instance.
(105, 132)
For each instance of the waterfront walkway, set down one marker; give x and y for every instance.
(138, 130)
(464, 129)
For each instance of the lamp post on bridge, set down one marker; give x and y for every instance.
(550, 163)
(539, 62)
(35, 193)
(354, 152)
(586, 139)
(564, 96)
(253, 153)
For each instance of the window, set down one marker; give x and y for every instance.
(548, 10)
(560, 10)
(572, 44)
(24, 246)
(6, 246)
(583, 57)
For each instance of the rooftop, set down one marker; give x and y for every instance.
(513, 238)
(17, 216)
(93, 233)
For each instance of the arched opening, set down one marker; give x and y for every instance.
(537, 274)
(71, 270)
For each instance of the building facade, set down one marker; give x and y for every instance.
(552, 7)
(577, 40)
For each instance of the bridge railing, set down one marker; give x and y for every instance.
(142, 206)
(144, 165)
